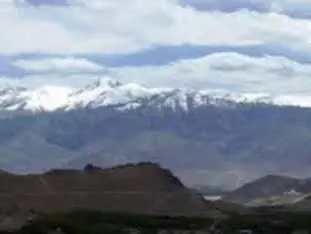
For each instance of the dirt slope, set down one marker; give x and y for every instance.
(140, 188)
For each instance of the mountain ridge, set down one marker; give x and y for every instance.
(233, 146)
(106, 91)
(272, 190)
(267, 186)
(226, 144)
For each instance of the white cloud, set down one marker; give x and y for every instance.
(107, 26)
(222, 71)
(230, 71)
(58, 65)
(49, 79)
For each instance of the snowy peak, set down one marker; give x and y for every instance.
(104, 83)
(108, 92)
(47, 98)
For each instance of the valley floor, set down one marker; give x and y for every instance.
(261, 221)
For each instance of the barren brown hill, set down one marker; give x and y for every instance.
(141, 188)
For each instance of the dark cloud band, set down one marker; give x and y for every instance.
(50, 2)
(297, 10)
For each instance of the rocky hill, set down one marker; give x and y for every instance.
(268, 187)
(273, 191)
(141, 188)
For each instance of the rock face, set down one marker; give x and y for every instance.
(141, 188)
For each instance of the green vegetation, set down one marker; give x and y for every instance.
(268, 221)
(95, 222)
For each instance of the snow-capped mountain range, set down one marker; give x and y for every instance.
(108, 92)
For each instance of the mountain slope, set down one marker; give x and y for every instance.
(268, 186)
(274, 190)
(159, 147)
(202, 138)
(30, 152)
(141, 188)
(208, 144)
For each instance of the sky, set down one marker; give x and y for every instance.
(233, 45)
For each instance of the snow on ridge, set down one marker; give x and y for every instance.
(106, 91)
(46, 98)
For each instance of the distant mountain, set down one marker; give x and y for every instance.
(210, 190)
(144, 188)
(108, 92)
(265, 187)
(204, 137)
(288, 199)
(273, 190)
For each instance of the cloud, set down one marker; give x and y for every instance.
(293, 8)
(58, 65)
(166, 54)
(110, 27)
(226, 71)
(228, 6)
(49, 79)
(49, 2)
(238, 45)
